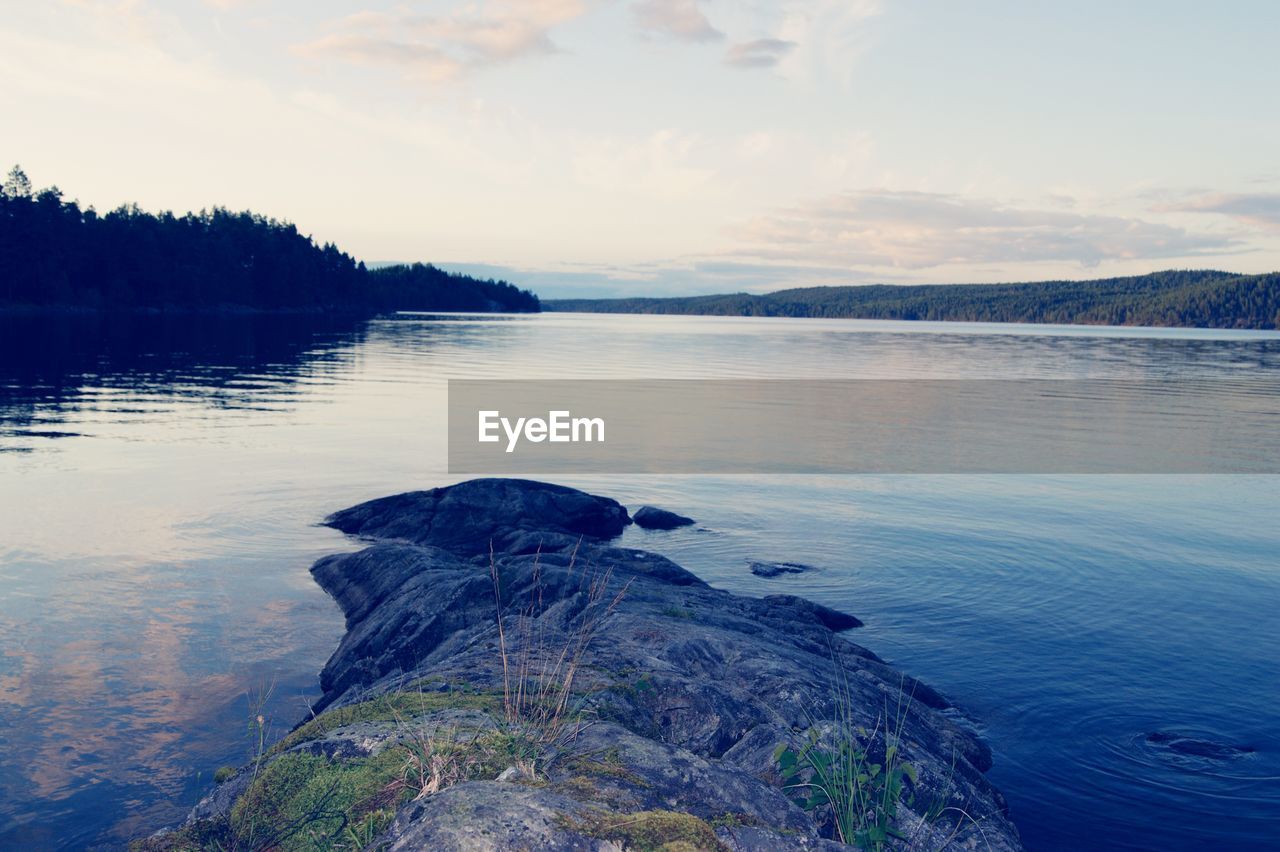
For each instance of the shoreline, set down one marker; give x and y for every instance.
(617, 700)
(220, 311)
(550, 306)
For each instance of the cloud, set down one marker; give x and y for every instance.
(1260, 208)
(830, 37)
(919, 230)
(678, 19)
(761, 53)
(444, 47)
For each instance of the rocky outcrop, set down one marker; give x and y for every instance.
(511, 680)
(653, 518)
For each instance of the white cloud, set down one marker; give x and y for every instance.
(829, 36)
(445, 47)
(760, 53)
(919, 230)
(678, 19)
(1257, 208)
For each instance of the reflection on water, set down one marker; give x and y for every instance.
(125, 368)
(160, 479)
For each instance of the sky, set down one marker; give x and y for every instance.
(669, 147)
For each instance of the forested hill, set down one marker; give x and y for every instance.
(53, 253)
(1189, 298)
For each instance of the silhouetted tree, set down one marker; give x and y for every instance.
(17, 184)
(54, 253)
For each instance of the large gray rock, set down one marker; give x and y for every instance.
(472, 516)
(653, 518)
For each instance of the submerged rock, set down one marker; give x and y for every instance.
(652, 518)
(510, 680)
(776, 569)
(1194, 747)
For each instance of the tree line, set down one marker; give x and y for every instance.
(54, 253)
(1188, 298)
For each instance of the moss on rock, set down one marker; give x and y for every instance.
(300, 801)
(647, 831)
(308, 801)
(196, 837)
(388, 707)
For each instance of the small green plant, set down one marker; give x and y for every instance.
(839, 772)
(224, 774)
(259, 728)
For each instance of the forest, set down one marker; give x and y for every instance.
(1187, 298)
(56, 254)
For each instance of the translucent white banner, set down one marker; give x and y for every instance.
(857, 426)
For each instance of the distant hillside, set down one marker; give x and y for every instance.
(55, 254)
(1189, 298)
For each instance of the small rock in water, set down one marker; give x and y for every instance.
(774, 569)
(1196, 747)
(653, 518)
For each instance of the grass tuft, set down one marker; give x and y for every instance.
(539, 667)
(848, 776)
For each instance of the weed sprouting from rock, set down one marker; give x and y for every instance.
(835, 774)
(540, 660)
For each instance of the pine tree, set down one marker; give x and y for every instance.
(17, 184)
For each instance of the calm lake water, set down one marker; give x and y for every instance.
(160, 480)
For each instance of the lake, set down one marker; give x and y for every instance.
(161, 478)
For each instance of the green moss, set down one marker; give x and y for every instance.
(388, 707)
(300, 800)
(197, 837)
(730, 819)
(304, 801)
(586, 789)
(678, 612)
(647, 831)
(607, 764)
(224, 774)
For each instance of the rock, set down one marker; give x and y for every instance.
(488, 815)
(473, 515)
(649, 774)
(775, 569)
(680, 694)
(1194, 747)
(517, 774)
(217, 804)
(749, 838)
(651, 518)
